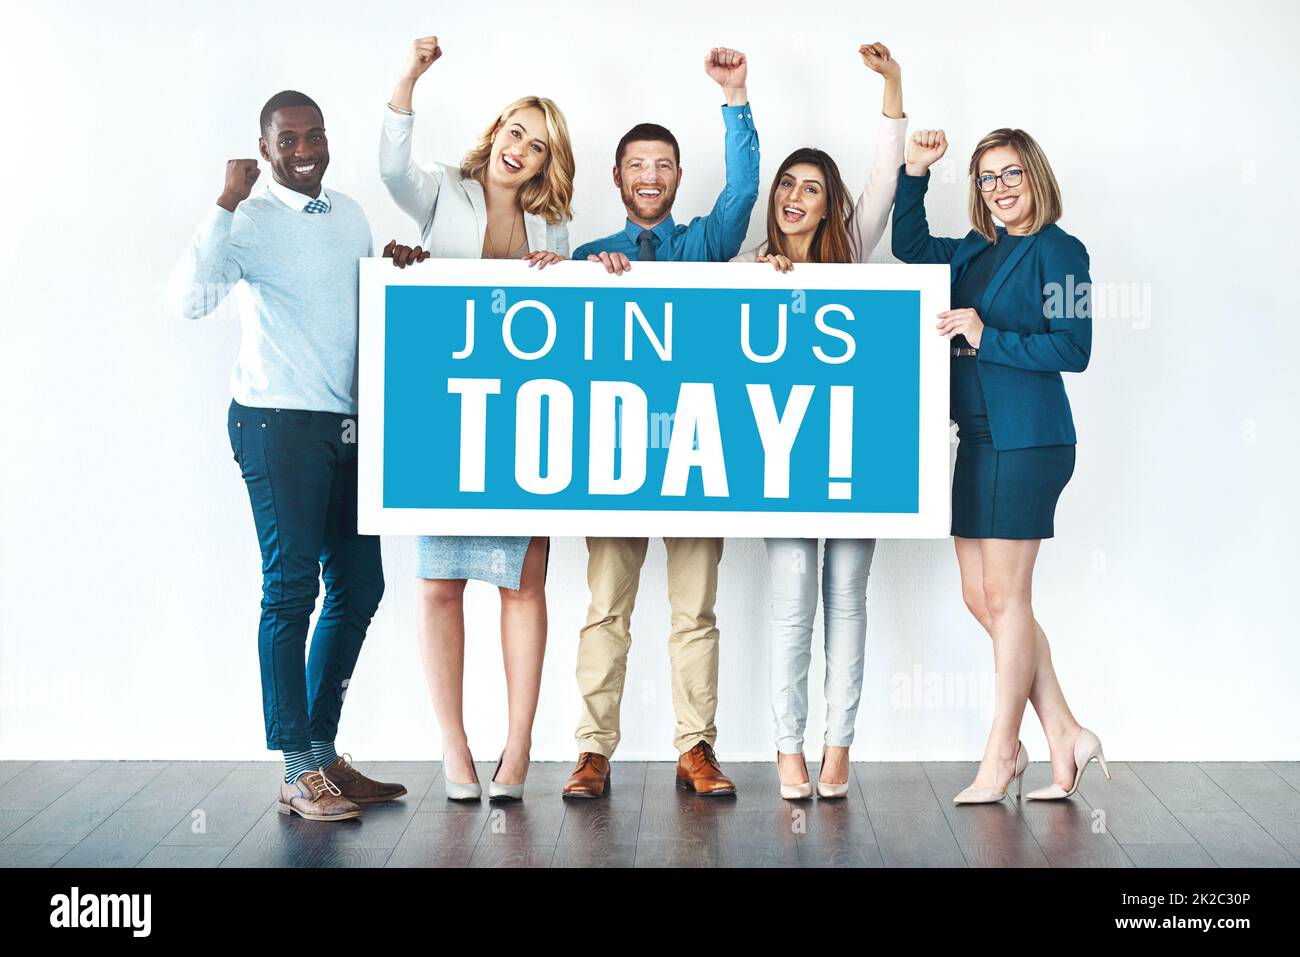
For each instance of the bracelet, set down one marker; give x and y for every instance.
(403, 112)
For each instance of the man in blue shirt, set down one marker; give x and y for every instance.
(647, 172)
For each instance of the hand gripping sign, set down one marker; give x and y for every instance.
(679, 399)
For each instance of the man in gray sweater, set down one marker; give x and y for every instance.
(292, 253)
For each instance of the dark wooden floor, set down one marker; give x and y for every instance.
(174, 814)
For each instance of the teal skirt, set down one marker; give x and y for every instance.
(1007, 494)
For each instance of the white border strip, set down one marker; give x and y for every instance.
(931, 520)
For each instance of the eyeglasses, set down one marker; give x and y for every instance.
(1010, 179)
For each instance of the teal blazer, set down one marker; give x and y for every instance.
(1037, 315)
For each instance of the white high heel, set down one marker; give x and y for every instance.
(827, 790)
(1086, 747)
(504, 792)
(458, 791)
(797, 792)
(981, 795)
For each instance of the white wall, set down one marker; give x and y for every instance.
(129, 569)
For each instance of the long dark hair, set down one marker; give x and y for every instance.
(831, 242)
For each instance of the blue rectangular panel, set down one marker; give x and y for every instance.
(425, 325)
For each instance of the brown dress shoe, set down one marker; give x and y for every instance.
(358, 788)
(698, 771)
(317, 798)
(590, 779)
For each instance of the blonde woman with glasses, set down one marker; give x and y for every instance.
(509, 198)
(1020, 316)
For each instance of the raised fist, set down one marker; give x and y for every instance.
(726, 67)
(423, 52)
(924, 149)
(241, 174)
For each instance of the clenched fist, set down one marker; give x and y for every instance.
(728, 68)
(423, 52)
(241, 174)
(924, 149)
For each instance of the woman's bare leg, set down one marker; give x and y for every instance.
(440, 631)
(523, 646)
(1059, 724)
(1007, 569)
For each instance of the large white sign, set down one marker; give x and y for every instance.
(680, 399)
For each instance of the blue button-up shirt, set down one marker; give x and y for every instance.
(712, 238)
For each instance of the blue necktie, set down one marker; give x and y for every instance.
(316, 206)
(645, 247)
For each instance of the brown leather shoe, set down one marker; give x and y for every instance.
(698, 771)
(590, 779)
(316, 798)
(358, 788)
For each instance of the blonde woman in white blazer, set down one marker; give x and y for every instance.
(509, 198)
(810, 219)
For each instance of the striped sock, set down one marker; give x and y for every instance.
(296, 762)
(324, 752)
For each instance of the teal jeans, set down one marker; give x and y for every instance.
(301, 471)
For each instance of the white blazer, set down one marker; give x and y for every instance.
(448, 207)
(871, 212)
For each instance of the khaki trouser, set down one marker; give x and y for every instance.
(613, 574)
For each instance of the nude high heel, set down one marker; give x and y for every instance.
(827, 790)
(979, 795)
(1086, 747)
(797, 792)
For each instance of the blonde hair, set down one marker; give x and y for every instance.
(1042, 181)
(549, 194)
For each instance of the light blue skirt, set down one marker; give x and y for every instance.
(495, 559)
